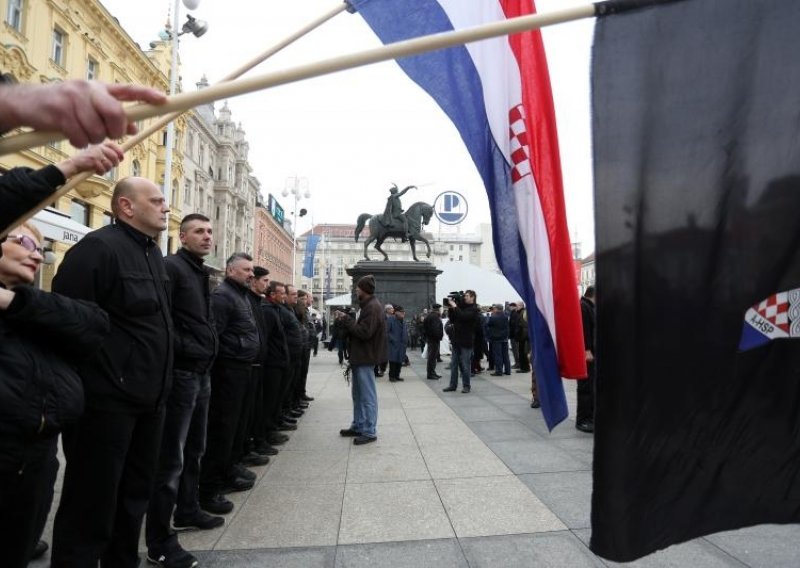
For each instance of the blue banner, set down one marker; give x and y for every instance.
(308, 261)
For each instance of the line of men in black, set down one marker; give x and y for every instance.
(189, 388)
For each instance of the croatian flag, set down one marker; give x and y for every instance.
(497, 93)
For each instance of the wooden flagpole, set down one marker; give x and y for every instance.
(164, 120)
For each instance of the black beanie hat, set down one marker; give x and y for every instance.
(367, 284)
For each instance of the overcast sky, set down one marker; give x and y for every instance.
(354, 133)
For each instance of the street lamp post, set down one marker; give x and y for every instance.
(197, 28)
(298, 187)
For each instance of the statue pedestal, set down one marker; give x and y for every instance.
(407, 283)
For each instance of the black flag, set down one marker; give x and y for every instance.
(696, 116)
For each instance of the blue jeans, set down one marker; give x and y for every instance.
(502, 363)
(460, 359)
(365, 401)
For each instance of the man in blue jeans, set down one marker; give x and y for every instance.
(466, 319)
(367, 335)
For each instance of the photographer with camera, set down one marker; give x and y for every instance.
(465, 317)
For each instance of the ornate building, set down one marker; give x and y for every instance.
(273, 246)
(218, 180)
(43, 41)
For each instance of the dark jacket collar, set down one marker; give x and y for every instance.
(193, 260)
(141, 239)
(236, 286)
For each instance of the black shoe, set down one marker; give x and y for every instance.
(361, 440)
(216, 504)
(201, 521)
(432, 378)
(465, 390)
(349, 433)
(391, 380)
(284, 427)
(307, 398)
(265, 450)
(523, 370)
(448, 389)
(301, 406)
(379, 374)
(437, 375)
(39, 550)
(507, 373)
(236, 485)
(585, 426)
(295, 413)
(177, 558)
(289, 419)
(255, 459)
(238, 470)
(276, 438)
(497, 374)
(535, 403)
(399, 379)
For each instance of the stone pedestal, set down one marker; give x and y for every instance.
(407, 283)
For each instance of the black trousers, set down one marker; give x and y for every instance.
(111, 465)
(241, 442)
(433, 356)
(302, 381)
(183, 444)
(585, 410)
(394, 369)
(25, 498)
(230, 381)
(272, 380)
(524, 363)
(292, 378)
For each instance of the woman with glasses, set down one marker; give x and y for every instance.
(42, 335)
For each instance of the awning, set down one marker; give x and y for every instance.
(57, 226)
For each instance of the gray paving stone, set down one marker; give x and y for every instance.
(567, 494)
(485, 506)
(698, 552)
(409, 554)
(580, 447)
(315, 436)
(502, 430)
(306, 467)
(322, 557)
(480, 413)
(465, 459)
(762, 546)
(454, 432)
(535, 456)
(430, 415)
(508, 399)
(286, 516)
(374, 463)
(545, 550)
(395, 511)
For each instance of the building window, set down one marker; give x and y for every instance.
(108, 218)
(451, 247)
(14, 14)
(59, 42)
(460, 257)
(111, 174)
(91, 69)
(187, 192)
(136, 168)
(79, 212)
(460, 247)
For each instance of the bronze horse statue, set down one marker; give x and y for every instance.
(418, 215)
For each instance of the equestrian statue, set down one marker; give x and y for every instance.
(393, 222)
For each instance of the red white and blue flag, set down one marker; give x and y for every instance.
(497, 93)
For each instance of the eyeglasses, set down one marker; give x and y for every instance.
(27, 243)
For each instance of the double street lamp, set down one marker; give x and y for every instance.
(196, 28)
(298, 187)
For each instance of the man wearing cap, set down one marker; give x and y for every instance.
(433, 332)
(367, 348)
(397, 333)
(498, 332)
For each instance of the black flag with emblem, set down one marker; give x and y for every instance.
(696, 117)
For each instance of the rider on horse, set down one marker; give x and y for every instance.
(394, 210)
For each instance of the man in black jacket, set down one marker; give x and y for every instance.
(112, 450)
(296, 341)
(584, 417)
(498, 330)
(433, 332)
(276, 367)
(184, 439)
(465, 319)
(239, 346)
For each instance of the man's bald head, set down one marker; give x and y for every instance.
(139, 202)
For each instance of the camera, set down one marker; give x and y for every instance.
(457, 297)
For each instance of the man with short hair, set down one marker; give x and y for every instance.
(184, 438)
(523, 339)
(276, 369)
(239, 346)
(397, 333)
(498, 332)
(295, 341)
(367, 348)
(433, 333)
(112, 449)
(465, 319)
